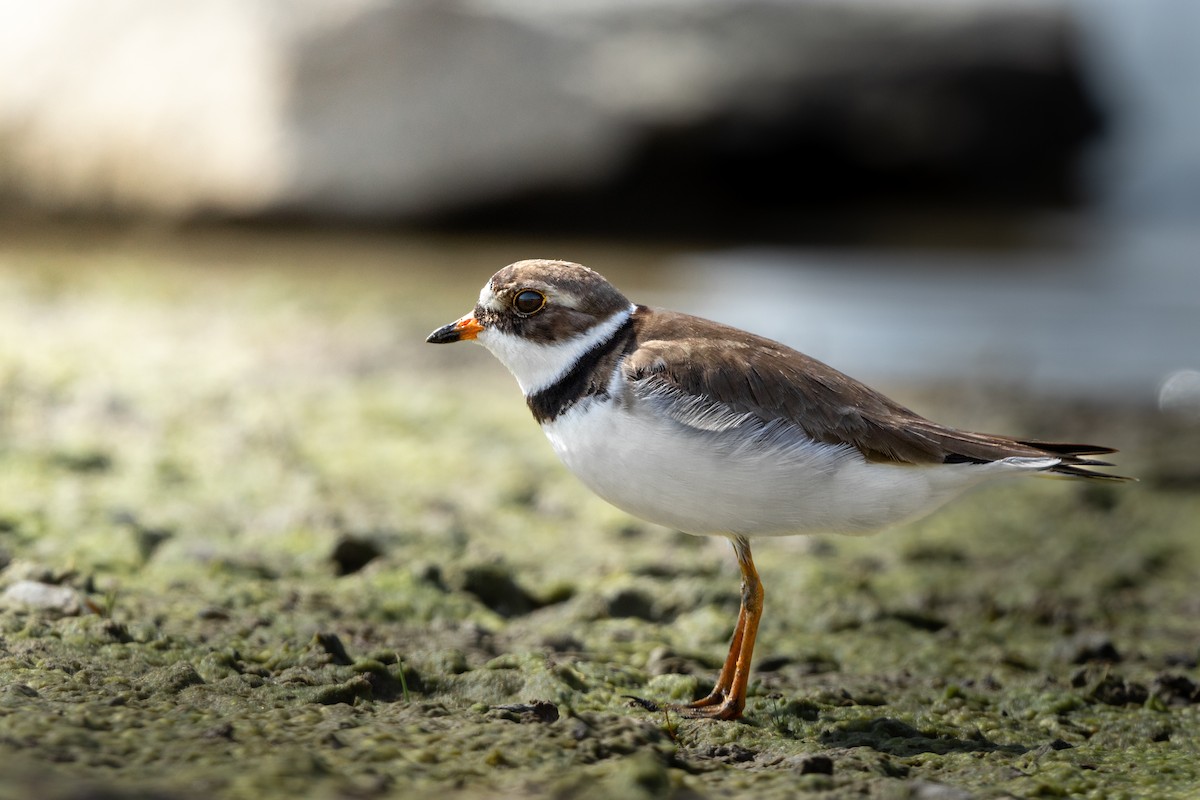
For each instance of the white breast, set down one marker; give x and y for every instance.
(737, 482)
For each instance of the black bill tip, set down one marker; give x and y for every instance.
(444, 334)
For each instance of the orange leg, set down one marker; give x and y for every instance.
(725, 679)
(728, 697)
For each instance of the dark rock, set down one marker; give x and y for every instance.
(431, 574)
(1176, 690)
(725, 753)
(222, 730)
(1093, 647)
(631, 602)
(533, 711)
(631, 530)
(867, 697)
(496, 588)
(935, 553)
(664, 661)
(1183, 660)
(816, 765)
(331, 644)
(800, 709)
(386, 683)
(919, 620)
(116, 631)
(1113, 690)
(352, 553)
(562, 643)
(773, 663)
(580, 730)
(83, 461)
(148, 538)
(1098, 496)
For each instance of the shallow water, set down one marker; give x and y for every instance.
(1110, 314)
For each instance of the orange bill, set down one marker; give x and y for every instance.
(460, 330)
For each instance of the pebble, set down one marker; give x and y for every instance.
(47, 596)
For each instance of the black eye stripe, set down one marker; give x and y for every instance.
(528, 302)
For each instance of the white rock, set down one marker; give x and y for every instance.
(45, 596)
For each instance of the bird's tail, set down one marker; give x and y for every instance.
(1075, 460)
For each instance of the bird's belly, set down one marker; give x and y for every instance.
(710, 482)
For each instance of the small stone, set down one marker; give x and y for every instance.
(773, 663)
(352, 553)
(1176, 690)
(172, 679)
(1093, 647)
(83, 461)
(580, 730)
(631, 603)
(932, 790)
(533, 711)
(732, 753)
(1116, 691)
(495, 587)
(46, 596)
(212, 612)
(223, 730)
(664, 661)
(331, 644)
(561, 642)
(816, 765)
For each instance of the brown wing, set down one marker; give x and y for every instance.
(711, 374)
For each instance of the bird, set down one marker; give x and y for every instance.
(712, 430)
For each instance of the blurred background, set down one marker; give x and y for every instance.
(909, 189)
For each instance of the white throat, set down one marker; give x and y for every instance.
(536, 366)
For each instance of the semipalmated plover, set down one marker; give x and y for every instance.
(712, 430)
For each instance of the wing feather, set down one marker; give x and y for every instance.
(712, 377)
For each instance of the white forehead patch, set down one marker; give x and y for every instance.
(488, 299)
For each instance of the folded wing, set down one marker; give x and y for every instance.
(712, 377)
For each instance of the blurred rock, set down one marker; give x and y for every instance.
(44, 596)
(352, 553)
(419, 109)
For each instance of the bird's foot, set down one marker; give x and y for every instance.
(715, 706)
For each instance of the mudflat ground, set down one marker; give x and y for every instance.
(257, 540)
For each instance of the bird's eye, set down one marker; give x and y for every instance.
(528, 302)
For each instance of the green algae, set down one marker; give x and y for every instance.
(191, 428)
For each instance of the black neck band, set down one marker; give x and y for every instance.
(578, 382)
